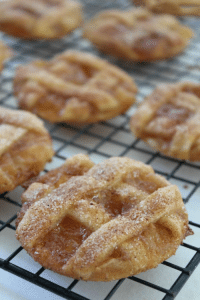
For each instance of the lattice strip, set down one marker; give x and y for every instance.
(8, 135)
(96, 248)
(53, 209)
(23, 119)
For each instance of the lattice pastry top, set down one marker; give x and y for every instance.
(5, 53)
(25, 147)
(39, 19)
(169, 120)
(137, 34)
(174, 7)
(74, 87)
(101, 222)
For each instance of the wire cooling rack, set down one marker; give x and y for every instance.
(101, 141)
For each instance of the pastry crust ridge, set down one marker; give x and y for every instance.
(25, 147)
(5, 53)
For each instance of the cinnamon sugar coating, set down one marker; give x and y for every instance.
(101, 222)
(169, 120)
(5, 53)
(173, 7)
(25, 147)
(74, 87)
(137, 34)
(39, 19)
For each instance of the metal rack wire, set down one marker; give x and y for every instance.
(103, 140)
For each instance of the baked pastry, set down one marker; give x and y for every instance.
(39, 19)
(137, 34)
(74, 87)
(5, 53)
(169, 120)
(174, 7)
(25, 147)
(102, 222)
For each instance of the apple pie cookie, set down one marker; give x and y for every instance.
(137, 34)
(74, 87)
(101, 222)
(174, 7)
(5, 53)
(169, 120)
(39, 19)
(25, 147)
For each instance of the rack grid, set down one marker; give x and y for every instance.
(101, 141)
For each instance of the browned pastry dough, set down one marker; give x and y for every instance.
(174, 7)
(5, 53)
(169, 120)
(137, 34)
(74, 87)
(101, 222)
(25, 147)
(39, 19)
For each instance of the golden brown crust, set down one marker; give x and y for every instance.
(173, 7)
(137, 34)
(25, 147)
(113, 220)
(169, 120)
(5, 53)
(39, 19)
(74, 87)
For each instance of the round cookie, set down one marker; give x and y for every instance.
(173, 7)
(137, 35)
(25, 147)
(169, 120)
(101, 222)
(74, 87)
(5, 53)
(39, 19)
